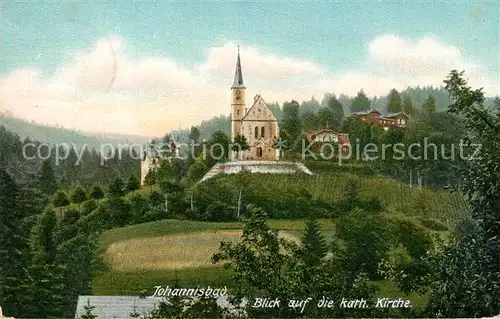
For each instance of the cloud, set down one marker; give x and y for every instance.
(221, 60)
(416, 62)
(108, 89)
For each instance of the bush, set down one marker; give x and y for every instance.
(88, 207)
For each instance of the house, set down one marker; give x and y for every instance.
(373, 116)
(329, 136)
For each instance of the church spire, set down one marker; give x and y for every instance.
(238, 75)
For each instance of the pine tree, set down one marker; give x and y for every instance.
(132, 184)
(14, 248)
(194, 140)
(408, 105)
(42, 244)
(314, 246)
(429, 106)
(291, 123)
(60, 200)
(47, 179)
(96, 193)
(78, 196)
(360, 102)
(45, 290)
(89, 311)
(116, 188)
(150, 178)
(394, 102)
(337, 112)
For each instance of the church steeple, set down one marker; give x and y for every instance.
(238, 75)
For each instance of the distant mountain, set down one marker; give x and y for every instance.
(58, 135)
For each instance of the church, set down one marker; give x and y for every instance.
(260, 128)
(257, 124)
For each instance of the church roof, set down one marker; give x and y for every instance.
(238, 75)
(259, 103)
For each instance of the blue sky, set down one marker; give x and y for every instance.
(334, 36)
(333, 33)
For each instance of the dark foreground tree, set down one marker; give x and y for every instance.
(97, 193)
(467, 281)
(268, 266)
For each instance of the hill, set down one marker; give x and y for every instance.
(179, 250)
(58, 135)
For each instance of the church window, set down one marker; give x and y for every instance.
(256, 132)
(262, 131)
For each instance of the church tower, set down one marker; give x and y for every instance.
(238, 100)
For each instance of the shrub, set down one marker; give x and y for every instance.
(88, 206)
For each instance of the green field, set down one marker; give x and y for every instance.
(180, 237)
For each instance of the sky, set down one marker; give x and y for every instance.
(145, 68)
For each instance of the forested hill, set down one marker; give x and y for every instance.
(57, 135)
(417, 96)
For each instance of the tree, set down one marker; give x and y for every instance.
(89, 311)
(337, 111)
(197, 170)
(394, 102)
(43, 248)
(218, 147)
(291, 123)
(60, 199)
(116, 187)
(45, 289)
(78, 196)
(97, 193)
(429, 106)
(47, 179)
(240, 144)
(132, 184)
(360, 102)
(266, 266)
(366, 242)
(14, 248)
(408, 105)
(150, 178)
(467, 275)
(314, 246)
(194, 140)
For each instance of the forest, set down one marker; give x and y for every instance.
(437, 239)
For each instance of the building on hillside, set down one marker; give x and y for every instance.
(373, 116)
(260, 128)
(330, 136)
(154, 154)
(257, 124)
